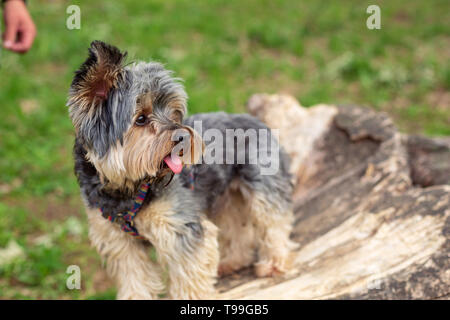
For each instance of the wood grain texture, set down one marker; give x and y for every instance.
(372, 208)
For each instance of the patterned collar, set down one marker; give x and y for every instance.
(125, 219)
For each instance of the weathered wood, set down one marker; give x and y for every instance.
(372, 207)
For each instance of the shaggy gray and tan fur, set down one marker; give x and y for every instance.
(209, 219)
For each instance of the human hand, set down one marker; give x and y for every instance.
(19, 27)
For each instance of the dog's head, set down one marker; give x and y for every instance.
(129, 118)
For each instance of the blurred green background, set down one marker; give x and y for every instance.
(318, 51)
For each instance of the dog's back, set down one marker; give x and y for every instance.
(243, 181)
(222, 160)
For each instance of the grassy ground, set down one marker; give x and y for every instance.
(319, 51)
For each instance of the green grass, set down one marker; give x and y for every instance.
(318, 51)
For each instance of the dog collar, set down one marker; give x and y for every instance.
(125, 219)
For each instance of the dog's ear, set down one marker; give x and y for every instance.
(101, 72)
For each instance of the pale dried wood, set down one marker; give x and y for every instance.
(372, 208)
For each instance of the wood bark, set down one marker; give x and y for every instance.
(372, 207)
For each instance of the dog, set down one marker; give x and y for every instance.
(203, 220)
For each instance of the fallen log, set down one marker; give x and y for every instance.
(372, 207)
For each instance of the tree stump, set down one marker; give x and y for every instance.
(372, 207)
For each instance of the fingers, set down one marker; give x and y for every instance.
(10, 34)
(20, 30)
(25, 39)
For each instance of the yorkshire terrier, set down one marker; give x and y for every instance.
(142, 189)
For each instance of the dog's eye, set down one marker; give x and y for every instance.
(141, 120)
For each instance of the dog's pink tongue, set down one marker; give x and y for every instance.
(174, 163)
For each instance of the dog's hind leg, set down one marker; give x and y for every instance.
(254, 228)
(236, 231)
(273, 225)
(127, 259)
